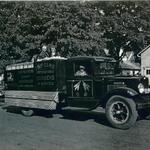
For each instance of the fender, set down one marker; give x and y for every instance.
(122, 91)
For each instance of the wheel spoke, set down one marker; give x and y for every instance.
(118, 106)
(123, 117)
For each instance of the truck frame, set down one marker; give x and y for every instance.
(83, 82)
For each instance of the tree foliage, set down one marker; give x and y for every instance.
(74, 28)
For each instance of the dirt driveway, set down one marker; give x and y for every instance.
(70, 131)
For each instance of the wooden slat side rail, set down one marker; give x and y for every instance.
(31, 95)
(32, 99)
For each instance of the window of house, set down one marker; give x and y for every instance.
(148, 71)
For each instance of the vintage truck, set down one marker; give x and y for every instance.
(83, 82)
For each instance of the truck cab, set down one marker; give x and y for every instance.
(86, 90)
(98, 82)
(93, 82)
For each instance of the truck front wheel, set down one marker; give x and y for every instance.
(121, 112)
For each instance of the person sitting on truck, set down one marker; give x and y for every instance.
(44, 53)
(53, 52)
(81, 71)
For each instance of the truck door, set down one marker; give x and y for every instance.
(80, 84)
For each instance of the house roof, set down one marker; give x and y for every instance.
(130, 65)
(129, 55)
(146, 48)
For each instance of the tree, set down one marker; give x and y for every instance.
(74, 28)
(126, 26)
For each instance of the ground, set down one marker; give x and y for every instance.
(71, 131)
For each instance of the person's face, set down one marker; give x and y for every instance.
(44, 48)
(53, 50)
(82, 69)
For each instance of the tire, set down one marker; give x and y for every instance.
(121, 112)
(27, 112)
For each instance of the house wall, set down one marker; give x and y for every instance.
(145, 63)
(1, 80)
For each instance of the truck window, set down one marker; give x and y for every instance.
(82, 69)
(106, 68)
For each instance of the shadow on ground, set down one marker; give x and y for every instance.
(98, 117)
(17, 110)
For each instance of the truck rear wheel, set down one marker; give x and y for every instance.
(121, 112)
(27, 112)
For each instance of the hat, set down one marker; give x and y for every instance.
(82, 67)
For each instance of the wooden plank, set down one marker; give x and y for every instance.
(32, 99)
(37, 95)
(48, 105)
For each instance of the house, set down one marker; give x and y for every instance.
(128, 65)
(129, 68)
(1, 80)
(145, 62)
(128, 57)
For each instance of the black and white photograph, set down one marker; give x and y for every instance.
(75, 75)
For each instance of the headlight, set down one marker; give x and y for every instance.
(141, 88)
